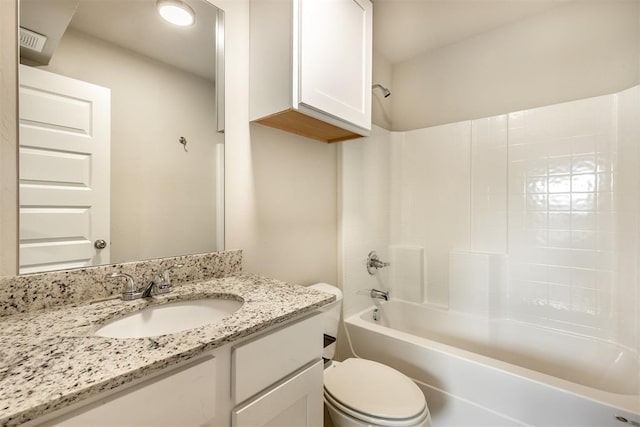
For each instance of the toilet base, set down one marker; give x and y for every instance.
(340, 419)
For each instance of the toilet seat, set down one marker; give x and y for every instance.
(375, 393)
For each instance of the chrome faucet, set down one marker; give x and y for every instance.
(161, 283)
(146, 293)
(375, 293)
(131, 289)
(374, 263)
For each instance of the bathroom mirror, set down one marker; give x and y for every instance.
(120, 126)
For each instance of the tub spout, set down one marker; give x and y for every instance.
(379, 294)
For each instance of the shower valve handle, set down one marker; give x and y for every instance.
(374, 263)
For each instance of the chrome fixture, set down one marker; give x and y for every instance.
(131, 290)
(624, 420)
(385, 91)
(375, 293)
(374, 263)
(161, 283)
(376, 314)
(146, 293)
(100, 244)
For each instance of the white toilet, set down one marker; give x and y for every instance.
(360, 392)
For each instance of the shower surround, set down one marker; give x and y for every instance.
(531, 216)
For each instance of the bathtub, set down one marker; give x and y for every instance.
(476, 371)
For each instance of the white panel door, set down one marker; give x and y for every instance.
(64, 171)
(334, 45)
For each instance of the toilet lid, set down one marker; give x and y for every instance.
(374, 389)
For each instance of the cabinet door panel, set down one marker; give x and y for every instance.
(184, 397)
(295, 403)
(334, 48)
(259, 363)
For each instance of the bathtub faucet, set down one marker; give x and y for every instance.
(374, 263)
(379, 294)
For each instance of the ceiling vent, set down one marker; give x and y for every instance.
(31, 40)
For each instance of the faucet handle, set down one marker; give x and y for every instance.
(165, 273)
(131, 290)
(163, 284)
(374, 263)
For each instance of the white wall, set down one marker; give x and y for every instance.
(576, 50)
(573, 213)
(626, 299)
(432, 190)
(531, 216)
(382, 73)
(365, 215)
(280, 200)
(294, 202)
(162, 198)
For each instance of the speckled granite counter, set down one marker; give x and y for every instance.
(28, 292)
(50, 359)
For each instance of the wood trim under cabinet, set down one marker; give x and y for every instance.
(301, 124)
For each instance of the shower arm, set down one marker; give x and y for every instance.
(386, 92)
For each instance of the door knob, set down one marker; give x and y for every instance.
(100, 244)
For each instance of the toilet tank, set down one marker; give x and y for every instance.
(330, 312)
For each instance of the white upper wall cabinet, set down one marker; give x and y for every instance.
(311, 67)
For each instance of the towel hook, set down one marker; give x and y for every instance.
(183, 141)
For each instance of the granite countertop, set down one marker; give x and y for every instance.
(50, 359)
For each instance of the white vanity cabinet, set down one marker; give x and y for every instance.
(310, 70)
(274, 378)
(296, 402)
(280, 383)
(183, 396)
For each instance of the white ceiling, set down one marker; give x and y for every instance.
(137, 26)
(403, 29)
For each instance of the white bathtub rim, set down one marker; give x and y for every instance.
(623, 402)
(469, 402)
(446, 309)
(525, 324)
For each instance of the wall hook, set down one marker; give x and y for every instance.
(183, 141)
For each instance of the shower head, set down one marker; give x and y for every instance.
(385, 91)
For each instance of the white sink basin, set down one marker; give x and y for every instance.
(169, 318)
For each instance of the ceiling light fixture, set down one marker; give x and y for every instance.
(176, 12)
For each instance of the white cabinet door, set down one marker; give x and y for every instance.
(277, 357)
(296, 402)
(334, 43)
(64, 171)
(185, 397)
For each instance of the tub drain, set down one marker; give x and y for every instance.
(624, 420)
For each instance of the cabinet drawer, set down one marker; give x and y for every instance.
(296, 402)
(259, 363)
